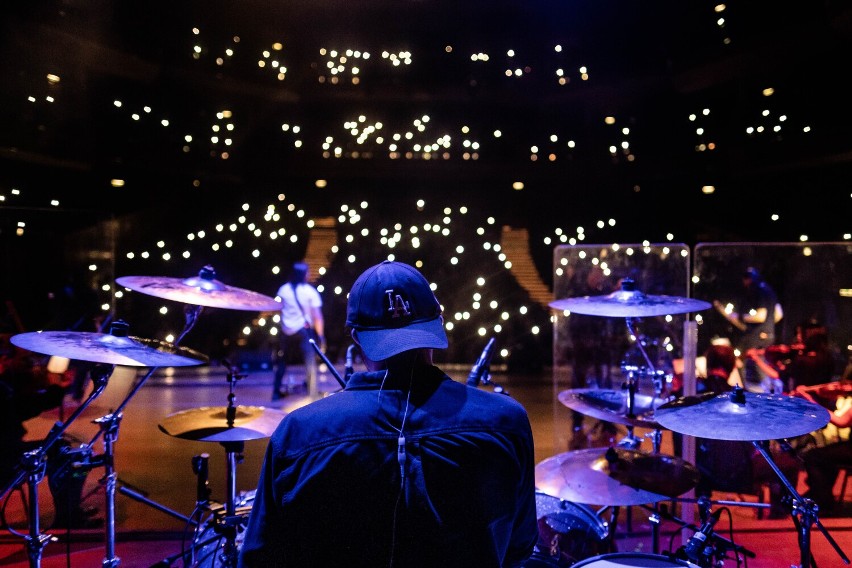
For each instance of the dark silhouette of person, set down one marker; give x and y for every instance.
(27, 389)
(76, 308)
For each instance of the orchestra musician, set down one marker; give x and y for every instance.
(823, 463)
(28, 387)
(754, 315)
(734, 466)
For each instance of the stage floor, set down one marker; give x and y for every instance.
(157, 488)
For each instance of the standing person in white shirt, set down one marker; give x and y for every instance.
(301, 321)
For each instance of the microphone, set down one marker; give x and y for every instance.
(202, 484)
(695, 547)
(481, 366)
(349, 368)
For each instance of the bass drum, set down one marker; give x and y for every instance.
(633, 560)
(209, 545)
(568, 532)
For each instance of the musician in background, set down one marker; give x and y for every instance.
(754, 314)
(301, 321)
(76, 308)
(592, 343)
(28, 388)
(822, 464)
(715, 370)
(737, 466)
(809, 361)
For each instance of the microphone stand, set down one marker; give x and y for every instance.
(481, 370)
(704, 506)
(32, 467)
(328, 363)
(349, 369)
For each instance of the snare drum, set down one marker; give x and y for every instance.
(208, 547)
(633, 560)
(568, 532)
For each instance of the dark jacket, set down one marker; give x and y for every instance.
(332, 492)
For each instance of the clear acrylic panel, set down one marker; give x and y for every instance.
(596, 351)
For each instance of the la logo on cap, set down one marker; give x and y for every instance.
(397, 307)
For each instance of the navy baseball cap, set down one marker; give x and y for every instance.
(392, 309)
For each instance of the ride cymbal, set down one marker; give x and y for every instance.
(629, 302)
(615, 476)
(108, 348)
(201, 290)
(743, 416)
(210, 423)
(612, 406)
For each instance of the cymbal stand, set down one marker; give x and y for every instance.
(108, 428)
(32, 467)
(632, 387)
(656, 439)
(804, 512)
(656, 375)
(228, 525)
(233, 450)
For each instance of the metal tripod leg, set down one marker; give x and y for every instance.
(33, 467)
(805, 515)
(230, 524)
(36, 541)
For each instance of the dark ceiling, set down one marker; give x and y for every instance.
(650, 65)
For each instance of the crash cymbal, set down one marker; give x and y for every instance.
(611, 406)
(210, 423)
(629, 302)
(108, 348)
(614, 476)
(739, 415)
(201, 290)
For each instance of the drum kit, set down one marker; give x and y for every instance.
(571, 533)
(622, 475)
(230, 425)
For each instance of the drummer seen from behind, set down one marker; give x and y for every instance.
(754, 315)
(403, 467)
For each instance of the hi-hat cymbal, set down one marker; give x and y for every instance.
(210, 423)
(108, 348)
(629, 302)
(615, 476)
(612, 406)
(201, 290)
(743, 416)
